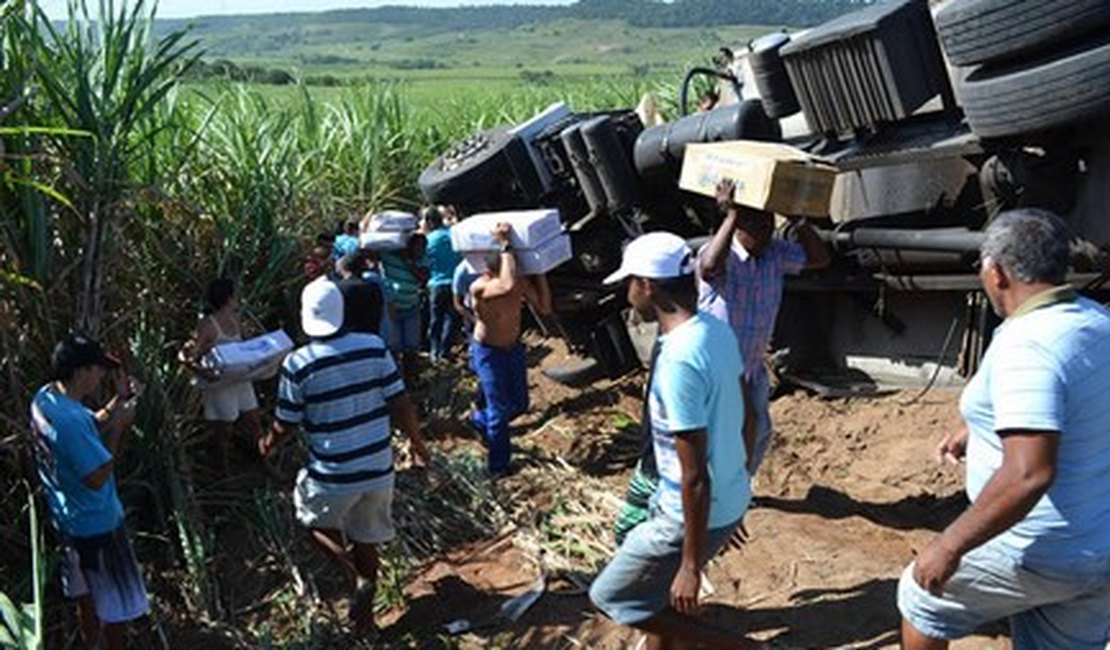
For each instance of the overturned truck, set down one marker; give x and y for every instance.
(934, 122)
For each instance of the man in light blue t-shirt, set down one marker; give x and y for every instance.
(1034, 546)
(76, 451)
(696, 412)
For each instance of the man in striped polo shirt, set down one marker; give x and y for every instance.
(1034, 545)
(343, 389)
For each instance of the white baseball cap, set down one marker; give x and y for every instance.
(321, 308)
(656, 256)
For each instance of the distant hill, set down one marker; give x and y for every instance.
(265, 35)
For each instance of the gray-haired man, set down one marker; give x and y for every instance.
(1034, 546)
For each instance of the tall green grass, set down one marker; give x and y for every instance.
(123, 191)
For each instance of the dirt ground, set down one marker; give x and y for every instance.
(846, 495)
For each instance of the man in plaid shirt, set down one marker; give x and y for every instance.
(741, 273)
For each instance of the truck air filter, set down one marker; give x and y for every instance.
(771, 77)
(867, 68)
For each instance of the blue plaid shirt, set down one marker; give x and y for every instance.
(748, 293)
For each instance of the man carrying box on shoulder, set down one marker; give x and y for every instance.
(496, 354)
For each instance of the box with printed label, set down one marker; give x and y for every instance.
(768, 176)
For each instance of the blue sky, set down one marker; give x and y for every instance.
(189, 8)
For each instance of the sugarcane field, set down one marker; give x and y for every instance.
(738, 324)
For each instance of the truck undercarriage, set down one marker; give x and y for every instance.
(929, 143)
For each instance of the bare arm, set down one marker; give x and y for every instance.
(195, 349)
(461, 309)
(538, 294)
(402, 413)
(817, 251)
(114, 421)
(691, 448)
(712, 262)
(503, 284)
(1028, 470)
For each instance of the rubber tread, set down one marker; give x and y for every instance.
(991, 31)
(1039, 95)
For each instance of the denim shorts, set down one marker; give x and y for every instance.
(1058, 607)
(636, 584)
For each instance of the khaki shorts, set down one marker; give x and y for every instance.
(227, 403)
(362, 517)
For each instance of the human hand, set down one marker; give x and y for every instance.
(934, 565)
(953, 447)
(502, 232)
(726, 187)
(267, 444)
(684, 590)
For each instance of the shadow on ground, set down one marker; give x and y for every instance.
(920, 511)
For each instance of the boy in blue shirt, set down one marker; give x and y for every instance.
(696, 415)
(76, 450)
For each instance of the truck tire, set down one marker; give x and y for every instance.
(989, 31)
(477, 168)
(1038, 95)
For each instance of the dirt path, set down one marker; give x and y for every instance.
(846, 495)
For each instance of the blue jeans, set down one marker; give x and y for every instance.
(503, 396)
(636, 584)
(443, 322)
(404, 331)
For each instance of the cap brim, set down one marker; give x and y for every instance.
(616, 276)
(110, 362)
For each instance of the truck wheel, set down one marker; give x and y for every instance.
(1037, 95)
(472, 169)
(988, 31)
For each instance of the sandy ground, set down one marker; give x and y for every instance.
(847, 494)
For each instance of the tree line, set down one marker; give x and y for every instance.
(639, 13)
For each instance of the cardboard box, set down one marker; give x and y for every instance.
(531, 261)
(383, 240)
(768, 176)
(391, 221)
(256, 358)
(531, 228)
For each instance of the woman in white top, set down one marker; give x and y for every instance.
(225, 402)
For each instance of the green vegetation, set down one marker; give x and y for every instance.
(133, 172)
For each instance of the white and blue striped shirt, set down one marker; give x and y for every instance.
(338, 390)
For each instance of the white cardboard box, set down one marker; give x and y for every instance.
(531, 228)
(531, 261)
(383, 240)
(256, 358)
(391, 221)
